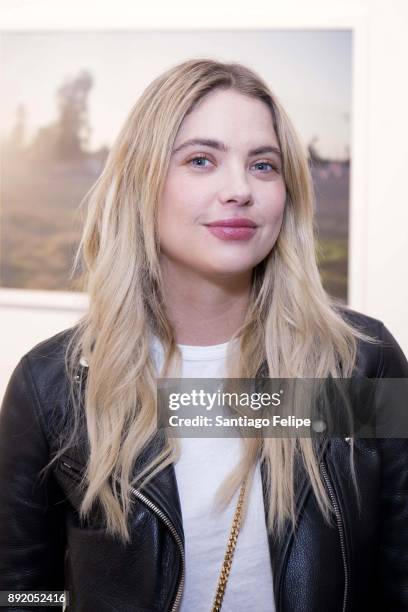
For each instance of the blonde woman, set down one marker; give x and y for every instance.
(199, 255)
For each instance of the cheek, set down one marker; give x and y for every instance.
(177, 213)
(169, 210)
(182, 205)
(273, 221)
(276, 211)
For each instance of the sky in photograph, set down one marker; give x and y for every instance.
(308, 70)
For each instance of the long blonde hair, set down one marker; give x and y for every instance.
(292, 326)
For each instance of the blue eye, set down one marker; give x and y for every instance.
(264, 164)
(200, 158)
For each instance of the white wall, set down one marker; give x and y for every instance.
(379, 201)
(27, 318)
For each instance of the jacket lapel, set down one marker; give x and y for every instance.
(162, 489)
(279, 547)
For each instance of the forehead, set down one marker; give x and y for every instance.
(228, 113)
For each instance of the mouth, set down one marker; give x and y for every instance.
(225, 230)
(234, 222)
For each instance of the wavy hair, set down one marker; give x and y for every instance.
(292, 328)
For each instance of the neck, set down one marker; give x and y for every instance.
(203, 310)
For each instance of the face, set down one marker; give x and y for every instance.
(235, 179)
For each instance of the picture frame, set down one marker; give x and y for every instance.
(355, 21)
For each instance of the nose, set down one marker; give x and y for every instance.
(237, 189)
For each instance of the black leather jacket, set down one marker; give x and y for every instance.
(359, 564)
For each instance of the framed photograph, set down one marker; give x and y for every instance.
(74, 90)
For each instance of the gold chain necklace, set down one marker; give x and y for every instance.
(229, 553)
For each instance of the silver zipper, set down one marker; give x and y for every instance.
(176, 536)
(340, 525)
(68, 465)
(68, 468)
(168, 523)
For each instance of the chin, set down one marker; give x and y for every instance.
(231, 270)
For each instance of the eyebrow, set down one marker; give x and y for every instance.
(220, 146)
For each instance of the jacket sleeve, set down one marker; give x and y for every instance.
(31, 524)
(393, 545)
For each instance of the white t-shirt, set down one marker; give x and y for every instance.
(203, 465)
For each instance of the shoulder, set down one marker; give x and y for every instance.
(45, 366)
(39, 379)
(47, 358)
(36, 398)
(379, 359)
(365, 323)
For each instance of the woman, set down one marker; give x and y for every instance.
(200, 262)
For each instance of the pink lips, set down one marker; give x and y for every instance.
(236, 228)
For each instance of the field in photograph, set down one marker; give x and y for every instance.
(41, 223)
